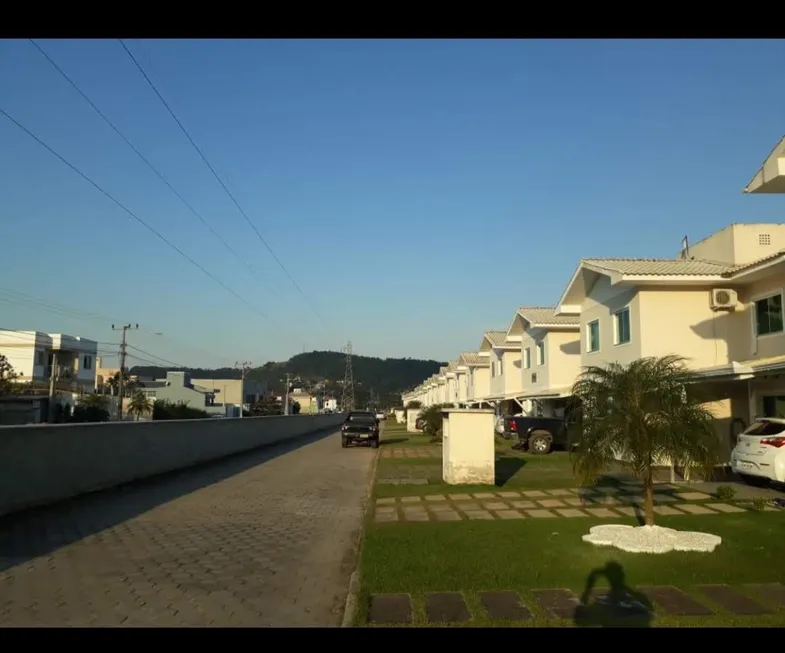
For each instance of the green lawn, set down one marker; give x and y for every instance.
(528, 554)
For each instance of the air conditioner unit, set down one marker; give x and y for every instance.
(723, 299)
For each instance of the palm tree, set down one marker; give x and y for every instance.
(139, 405)
(639, 414)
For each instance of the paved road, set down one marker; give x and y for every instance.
(262, 539)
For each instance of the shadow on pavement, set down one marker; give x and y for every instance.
(620, 606)
(35, 532)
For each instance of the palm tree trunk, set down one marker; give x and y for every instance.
(648, 496)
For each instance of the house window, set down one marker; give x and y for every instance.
(593, 336)
(540, 353)
(768, 315)
(501, 367)
(622, 326)
(87, 363)
(534, 377)
(39, 358)
(527, 358)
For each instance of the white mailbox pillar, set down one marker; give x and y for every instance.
(411, 418)
(399, 416)
(468, 447)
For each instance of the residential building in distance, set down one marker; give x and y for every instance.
(176, 388)
(37, 356)
(238, 392)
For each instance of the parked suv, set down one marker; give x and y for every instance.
(537, 435)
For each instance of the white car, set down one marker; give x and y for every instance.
(759, 453)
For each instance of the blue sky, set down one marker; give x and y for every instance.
(418, 191)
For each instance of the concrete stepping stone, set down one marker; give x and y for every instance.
(725, 507)
(667, 510)
(558, 603)
(504, 606)
(693, 496)
(441, 507)
(559, 493)
(551, 503)
(478, 514)
(484, 495)
(390, 609)
(459, 497)
(674, 601)
(534, 494)
(510, 495)
(523, 504)
(695, 509)
(446, 607)
(540, 514)
(771, 592)
(496, 505)
(627, 511)
(664, 498)
(732, 601)
(416, 516)
(411, 499)
(468, 506)
(385, 517)
(578, 501)
(449, 515)
(385, 501)
(435, 497)
(509, 514)
(602, 512)
(607, 489)
(571, 512)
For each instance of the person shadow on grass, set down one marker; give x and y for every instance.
(619, 607)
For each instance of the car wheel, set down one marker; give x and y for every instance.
(539, 444)
(344, 442)
(375, 443)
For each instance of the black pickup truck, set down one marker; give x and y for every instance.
(537, 435)
(360, 427)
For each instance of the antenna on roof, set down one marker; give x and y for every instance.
(685, 248)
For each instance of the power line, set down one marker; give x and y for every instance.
(141, 221)
(219, 180)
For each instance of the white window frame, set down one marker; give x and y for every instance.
(527, 358)
(616, 341)
(540, 353)
(589, 350)
(754, 313)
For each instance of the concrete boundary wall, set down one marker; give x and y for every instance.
(42, 464)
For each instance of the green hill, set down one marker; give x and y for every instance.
(384, 378)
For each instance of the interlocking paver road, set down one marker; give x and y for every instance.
(263, 539)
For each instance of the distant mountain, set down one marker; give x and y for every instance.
(384, 378)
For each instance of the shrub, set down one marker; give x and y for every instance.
(163, 410)
(759, 504)
(726, 493)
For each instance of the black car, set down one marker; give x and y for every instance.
(537, 435)
(360, 427)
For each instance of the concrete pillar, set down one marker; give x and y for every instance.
(399, 416)
(411, 418)
(468, 447)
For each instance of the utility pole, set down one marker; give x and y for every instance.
(286, 396)
(121, 380)
(347, 400)
(244, 367)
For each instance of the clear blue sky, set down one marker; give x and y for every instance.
(418, 191)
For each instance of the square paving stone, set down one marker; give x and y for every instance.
(607, 489)
(630, 498)
(667, 510)
(383, 518)
(629, 512)
(478, 514)
(533, 494)
(602, 512)
(732, 601)
(385, 502)
(448, 515)
(693, 496)
(695, 509)
(551, 503)
(585, 491)
(416, 516)
(540, 514)
(523, 504)
(664, 498)
(468, 506)
(559, 493)
(440, 507)
(435, 497)
(725, 507)
(559, 603)
(484, 495)
(674, 601)
(504, 606)
(771, 592)
(390, 609)
(496, 505)
(509, 514)
(411, 499)
(460, 497)
(446, 607)
(571, 512)
(577, 501)
(509, 495)
(605, 500)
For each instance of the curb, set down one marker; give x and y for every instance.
(350, 607)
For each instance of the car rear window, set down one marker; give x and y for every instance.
(765, 428)
(362, 417)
